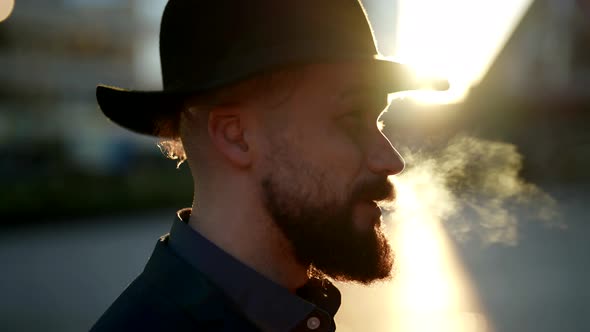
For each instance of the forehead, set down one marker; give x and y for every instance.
(323, 91)
(329, 88)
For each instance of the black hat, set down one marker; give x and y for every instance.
(209, 44)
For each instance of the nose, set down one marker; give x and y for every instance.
(383, 158)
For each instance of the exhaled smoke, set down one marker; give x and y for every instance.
(473, 185)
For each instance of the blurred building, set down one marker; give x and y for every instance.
(537, 93)
(549, 55)
(52, 55)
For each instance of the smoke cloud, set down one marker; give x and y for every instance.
(474, 187)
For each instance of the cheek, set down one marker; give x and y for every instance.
(329, 144)
(341, 153)
(337, 157)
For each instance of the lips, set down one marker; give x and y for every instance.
(370, 212)
(376, 190)
(376, 209)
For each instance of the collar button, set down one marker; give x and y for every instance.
(313, 323)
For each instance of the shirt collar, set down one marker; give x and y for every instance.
(267, 304)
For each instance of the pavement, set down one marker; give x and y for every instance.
(62, 277)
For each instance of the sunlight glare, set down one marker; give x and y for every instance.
(429, 291)
(457, 39)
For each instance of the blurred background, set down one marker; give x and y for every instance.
(497, 166)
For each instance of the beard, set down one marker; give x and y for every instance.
(322, 231)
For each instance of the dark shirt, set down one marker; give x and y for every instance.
(270, 306)
(190, 284)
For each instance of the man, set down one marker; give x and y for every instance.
(274, 104)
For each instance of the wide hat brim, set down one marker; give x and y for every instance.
(143, 111)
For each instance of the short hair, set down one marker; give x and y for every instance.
(275, 87)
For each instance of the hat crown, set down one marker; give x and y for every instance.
(211, 43)
(205, 45)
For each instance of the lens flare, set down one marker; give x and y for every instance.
(456, 39)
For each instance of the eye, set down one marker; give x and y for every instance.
(355, 115)
(353, 121)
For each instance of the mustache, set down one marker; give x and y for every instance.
(377, 189)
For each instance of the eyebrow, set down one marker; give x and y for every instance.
(374, 96)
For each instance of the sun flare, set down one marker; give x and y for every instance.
(456, 39)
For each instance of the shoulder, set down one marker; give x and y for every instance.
(142, 307)
(169, 295)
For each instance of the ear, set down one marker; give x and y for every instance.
(226, 130)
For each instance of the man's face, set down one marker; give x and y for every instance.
(326, 165)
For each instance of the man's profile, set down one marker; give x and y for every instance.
(274, 105)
